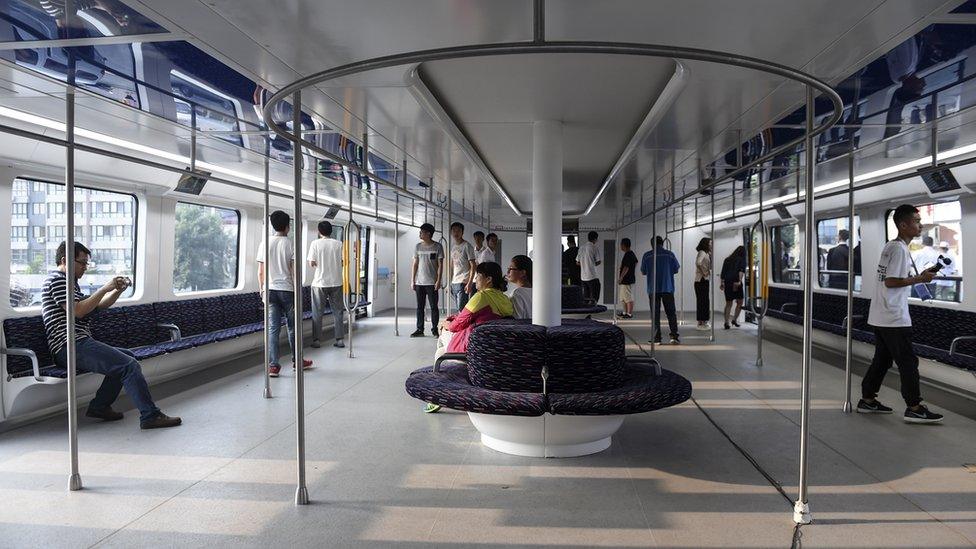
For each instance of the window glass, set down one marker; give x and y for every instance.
(34, 244)
(786, 254)
(206, 251)
(941, 236)
(836, 248)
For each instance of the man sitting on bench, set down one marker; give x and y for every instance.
(119, 366)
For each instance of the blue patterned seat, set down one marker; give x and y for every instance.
(587, 373)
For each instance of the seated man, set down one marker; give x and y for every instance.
(119, 366)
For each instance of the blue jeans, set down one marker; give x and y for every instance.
(120, 368)
(460, 295)
(282, 304)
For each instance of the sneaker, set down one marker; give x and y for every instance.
(923, 415)
(418, 333)
(865, 407)
(316, 344)
(105, 414)
(160, 421)
(306, 364)
(702, 327)
(431, 408)
(274, 370)
(339, 344)
(674, 341)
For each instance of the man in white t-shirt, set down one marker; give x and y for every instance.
(325, 256)
(281, 287)
(889, 316)
(589, 258)
(425, 278)
(482, 252)
(462, 266)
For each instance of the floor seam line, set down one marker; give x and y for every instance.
(450, 490)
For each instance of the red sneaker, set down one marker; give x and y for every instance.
(274, 370)
(306, 364)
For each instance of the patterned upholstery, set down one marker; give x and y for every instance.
(451, 388)
(588, 374)
(180, 313)
(593, 310)
(109, 326)
(507, 356)
(584, 356)
(641, 391)
(26, 332)
(572, 297)
(141, 325)
(212, 312)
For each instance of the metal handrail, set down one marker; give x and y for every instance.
(457, 357)
(350, 299)
(843, 323)
(762, 247)
(955, 342)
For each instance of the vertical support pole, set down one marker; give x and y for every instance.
(74, 479)
(301, 492)
(547, 206)
(655, 321)
(396, 267)
(801, 509)
(193, 137)
(616, 276)
(681, 279)
(849, 343)
(712, 282)
(267, 261)
(450, 243)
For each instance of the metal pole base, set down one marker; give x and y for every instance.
(301, 496)
(267, 392)
(801, 513)
(759, 363)
(396, 333)
(848, 408)
(74, 482)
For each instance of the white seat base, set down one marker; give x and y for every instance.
(546, 435)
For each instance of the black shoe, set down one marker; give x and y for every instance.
(105, 414)
(865, 407)
(923, 415)
(675, 340)
(339, 344)
(418, 333)
(736, 324)
(434, 332)
(160, 421)
(726, 325)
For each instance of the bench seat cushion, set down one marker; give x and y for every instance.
(642, 391)
(451, 388)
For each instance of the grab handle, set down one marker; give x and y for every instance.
(757, 282)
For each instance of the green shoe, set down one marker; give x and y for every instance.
(431, 408)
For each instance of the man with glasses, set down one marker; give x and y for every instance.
(119, 366)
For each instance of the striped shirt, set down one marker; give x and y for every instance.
(52, 311)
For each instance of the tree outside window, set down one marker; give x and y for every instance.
(206, 248)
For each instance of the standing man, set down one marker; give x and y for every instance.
(490, 253)
(325, 256)
(571, 270)
(928, 255)
(667, 266)
(626, 278)
(589, 258)
(479, 246)
(889, 316)
(425, 277)
(838, 259)
(462, 265)
(119, 366)
(946, 290)
(281, 288)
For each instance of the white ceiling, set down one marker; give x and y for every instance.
(276, 43)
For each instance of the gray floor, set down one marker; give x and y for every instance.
(382, 473)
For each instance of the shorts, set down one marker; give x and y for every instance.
(626, 293)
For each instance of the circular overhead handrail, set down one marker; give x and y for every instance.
(541, 46)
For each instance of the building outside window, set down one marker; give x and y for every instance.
(19, 209)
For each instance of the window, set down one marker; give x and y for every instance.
(207, 243)
(941, 236)
(836, 248)
(29, 265)
(19, 209)
(786, 254)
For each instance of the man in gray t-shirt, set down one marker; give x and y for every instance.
(463, 263)
(425, 277)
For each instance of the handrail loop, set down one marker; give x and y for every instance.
(758, 291)
(351, 298)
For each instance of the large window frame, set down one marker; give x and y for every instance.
(790, 270)
(836, 279)
(42, 186)
(943, 289)
(237, 250)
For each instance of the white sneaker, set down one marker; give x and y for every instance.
(702, 327)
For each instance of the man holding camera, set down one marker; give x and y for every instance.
(119, 366)
(889, 316)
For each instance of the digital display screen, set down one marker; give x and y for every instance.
(941, 181)
(192, 183)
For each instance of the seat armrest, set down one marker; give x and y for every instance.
(782, 308)
(174, 330)
(955, 342)
(29, 354)
(644, 359)
(843, 323)
(458, 357)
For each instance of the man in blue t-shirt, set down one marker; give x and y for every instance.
(667, 266)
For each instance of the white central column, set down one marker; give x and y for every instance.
(547, 221)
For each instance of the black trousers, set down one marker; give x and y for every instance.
(893, 345)
(591, 289)
(430, 294)
(702, 305)
(668, 300)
